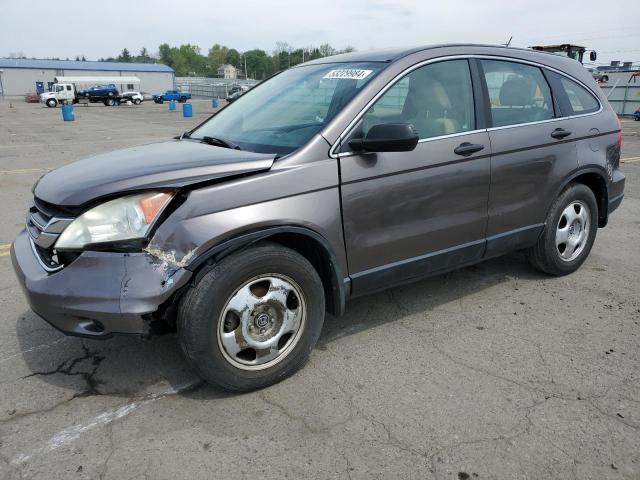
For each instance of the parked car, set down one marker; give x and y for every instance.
(146, 96)
(334, 179)
(135, 97)
(32, 98)
(172, 95)
(234, 96)
(99, 92)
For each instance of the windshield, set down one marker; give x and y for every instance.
(282, 114)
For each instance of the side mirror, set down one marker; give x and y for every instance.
(593, 55)
(387, 137)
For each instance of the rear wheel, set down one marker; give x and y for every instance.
(137, 101)
(569, 232)
(182, 99)
(253, 319)
(110, 102)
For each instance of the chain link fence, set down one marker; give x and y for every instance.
(211, 87)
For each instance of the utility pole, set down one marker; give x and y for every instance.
(245, 65)
(1, 87)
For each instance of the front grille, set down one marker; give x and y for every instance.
(44, 227)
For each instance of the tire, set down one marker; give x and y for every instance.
(109, 102)
(605, 78)
(569, 232)
(52, 102)
(137, 101)
(207, 315)
(182, 99)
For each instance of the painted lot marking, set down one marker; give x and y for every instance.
(630, 160)
(71, 434)
(5, 249)
(24, 170)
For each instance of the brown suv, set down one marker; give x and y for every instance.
(332, 179)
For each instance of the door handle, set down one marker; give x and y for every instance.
(465, 149)
(560, 133)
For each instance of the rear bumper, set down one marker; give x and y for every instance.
(616, 190)
(98, 295)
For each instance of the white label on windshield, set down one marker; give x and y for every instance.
(349, 73)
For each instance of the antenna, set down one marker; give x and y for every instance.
(509, 42)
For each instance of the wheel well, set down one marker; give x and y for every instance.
(320, 258)
(598, 186)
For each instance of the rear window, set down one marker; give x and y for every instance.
(580, 99)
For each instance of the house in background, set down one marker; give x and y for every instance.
(227, 71)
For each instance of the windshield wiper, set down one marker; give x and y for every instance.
(220, 142)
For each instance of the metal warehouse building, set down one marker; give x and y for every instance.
(19, 76)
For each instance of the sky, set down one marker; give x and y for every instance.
(84, 28)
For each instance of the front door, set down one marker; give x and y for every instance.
(410, 214)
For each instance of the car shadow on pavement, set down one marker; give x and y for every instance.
(129, 366)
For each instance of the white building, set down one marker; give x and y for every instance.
(227, 71)
(19, 76)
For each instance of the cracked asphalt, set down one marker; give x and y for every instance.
(493, 371)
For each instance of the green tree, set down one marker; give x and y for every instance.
(233, 57)
(125, 56)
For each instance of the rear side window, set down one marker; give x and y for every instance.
(580, 99)
(518, 93)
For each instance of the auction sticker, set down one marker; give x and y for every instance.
(348, 73)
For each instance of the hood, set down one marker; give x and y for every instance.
(176, 163)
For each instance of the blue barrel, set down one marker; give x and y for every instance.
(187, 111)
(67, 113)
(172, 105)
(214, 103)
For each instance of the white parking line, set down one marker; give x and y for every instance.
(630, 160)
(5, 249)
(32, 349)
(69, 435)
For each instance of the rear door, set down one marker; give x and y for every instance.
(409, 214)
(532, 148)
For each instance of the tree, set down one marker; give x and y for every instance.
(233, 57)
(144, 56)
(217, 56)
(259, 64)
(165, 53)
(125, 56)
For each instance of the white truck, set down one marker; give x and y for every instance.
(66, 90)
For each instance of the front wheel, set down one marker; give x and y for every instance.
(569, 232)
(137, 101)
(182, 99)
(253, 319)
(110, 102)
(52, 102)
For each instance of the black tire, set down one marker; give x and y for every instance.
(52, 102)
(109, 102)
(182, 99)
(545, 255)
(137, 101)
(201, 307)
(605, 78)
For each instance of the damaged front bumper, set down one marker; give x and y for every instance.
(100, 293)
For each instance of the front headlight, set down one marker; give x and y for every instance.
(125, 218)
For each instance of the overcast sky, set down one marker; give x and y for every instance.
(96, 29)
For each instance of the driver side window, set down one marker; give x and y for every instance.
(436, 99)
